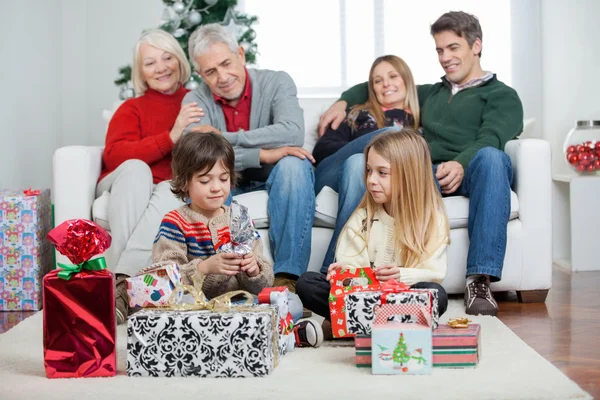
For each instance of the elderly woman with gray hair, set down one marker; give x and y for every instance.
(137, 156)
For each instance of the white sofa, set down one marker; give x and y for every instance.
(528, 262)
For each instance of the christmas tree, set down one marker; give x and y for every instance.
(400, 355)
(182, 17)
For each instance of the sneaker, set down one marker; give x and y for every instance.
(479, 298)
(121, 300)
(308, 333)
(285, 281)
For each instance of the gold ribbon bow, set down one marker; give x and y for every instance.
(218, 304)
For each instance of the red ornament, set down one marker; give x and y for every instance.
(589, 144)
(597, 146)
(597, 165)
(580, 167)
(580, 149)
(573, 159)
(586, 159)
(590, 168)
(573, 149)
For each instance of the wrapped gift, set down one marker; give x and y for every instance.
(240, 342)
(362, 346)
(401, 348)
(279, 296)
(456, 347)
(25, 255)
(353, 299)
(344, 282)
(152, 287)
(79, 305)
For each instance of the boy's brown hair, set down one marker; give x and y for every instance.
(198, 152)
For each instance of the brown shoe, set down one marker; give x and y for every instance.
(121, 299)
(285, 281)
(327, 332)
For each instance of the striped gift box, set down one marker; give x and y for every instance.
(452, 348)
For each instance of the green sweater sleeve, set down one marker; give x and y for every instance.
(357, 94)
(502, 120)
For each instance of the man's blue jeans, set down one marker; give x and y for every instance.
(487, 183)
(344, 172)
(291, 211)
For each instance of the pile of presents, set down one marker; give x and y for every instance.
(179, 332)
(395, 328)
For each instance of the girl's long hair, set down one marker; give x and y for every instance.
(416, 203)
(372, 105)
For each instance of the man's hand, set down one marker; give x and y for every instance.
(222, 263)
(249, 265)
(333, 267)
(334, 116)
(205, 129)
(387, 272)
(188, 114)
(450, 175)
(271, 156)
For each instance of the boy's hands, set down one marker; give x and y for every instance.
(333, 267)
(387, 272)
(221, 263)
(249, 265)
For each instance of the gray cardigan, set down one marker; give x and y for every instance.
(276, 119)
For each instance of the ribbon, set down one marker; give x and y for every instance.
(29, 192)
(392, 286)
(68, 270)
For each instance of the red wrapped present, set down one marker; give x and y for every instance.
(79, 305)
(345, 281)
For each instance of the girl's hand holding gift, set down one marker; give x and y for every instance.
(249, 265)
(332, 268)
(387, 272)
(221, 263)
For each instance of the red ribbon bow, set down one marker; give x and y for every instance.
(29, 192)
(392, 286)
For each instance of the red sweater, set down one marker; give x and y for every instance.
(140, 130)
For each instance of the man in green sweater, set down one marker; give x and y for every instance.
(467, 118)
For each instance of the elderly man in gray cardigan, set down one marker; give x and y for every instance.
(258, 112)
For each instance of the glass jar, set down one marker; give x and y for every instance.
(582, 147)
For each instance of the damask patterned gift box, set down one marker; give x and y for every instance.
(203, 343)
(25, 255)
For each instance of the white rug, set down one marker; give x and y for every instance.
(509, 369)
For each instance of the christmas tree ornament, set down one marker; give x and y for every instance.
(192, 85)
(230, 22)
(194, 18)
(211, 2)
(127, 93)
(251, 34)
(179, 32)
(179, 7)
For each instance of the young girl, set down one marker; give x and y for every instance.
(400, 229)
(203, 170)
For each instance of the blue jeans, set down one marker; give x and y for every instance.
(487, 184)
(344, 172)
(291, 211)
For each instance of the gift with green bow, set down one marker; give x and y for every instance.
(79, 305)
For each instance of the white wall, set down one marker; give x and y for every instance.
(570, 59)
(31, 87)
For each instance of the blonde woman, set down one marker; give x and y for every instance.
(392, 102)
(137, 156)
(400, 228)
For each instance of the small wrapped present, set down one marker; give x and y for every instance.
(206, 338)
(79, 305)
(279, 296)
(242, 234)
(401, 348)
(152, 287)
(362, 346)
(456, 347)
(344, 282)
(25, 255)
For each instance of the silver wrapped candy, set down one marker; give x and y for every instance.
(241, 229)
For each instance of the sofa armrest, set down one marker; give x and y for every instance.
(532, 182)
(76, 170)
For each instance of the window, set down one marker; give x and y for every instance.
(329, 45)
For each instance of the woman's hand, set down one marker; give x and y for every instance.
(332, 268)
(249, 265)
(222, 263)
(334, 116)
(189, 114)
(387, 272)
